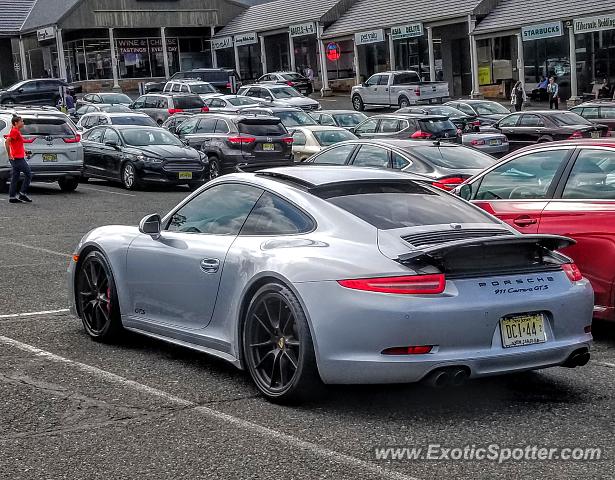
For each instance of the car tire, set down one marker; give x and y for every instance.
(130, 178)
(84, 179)
(68, 184)
(214, 168)
(96, 298)
(357, 103)
(277, 346)
(404, 102)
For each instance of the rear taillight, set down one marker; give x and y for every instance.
(572, 272)
(288, 140)
(205, 109)
(411, 284)
(474, 143)
(448, 183)
(290, 84)
(417, 92)
(75, 139)
(173, 111)
(240, 140)
(475, 123)
(577, 134)
(412, 350)
(421, 134)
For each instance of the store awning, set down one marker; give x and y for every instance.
(14, 14)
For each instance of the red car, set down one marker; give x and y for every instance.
(564, 188)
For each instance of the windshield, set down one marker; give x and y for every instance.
(46, 126)
(142, 137)
(202, 88)
(114, 108)
(293, 77)
(329, 137)
(437, 126)
(489, 108)
(454, 157)
(115, 98)
(349, 119)
(294, 119)
(142, 120)
(569, 118)
(445, 111)
(285, 92)
(241, 101)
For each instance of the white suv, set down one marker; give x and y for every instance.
(53, 146)
(199, 87)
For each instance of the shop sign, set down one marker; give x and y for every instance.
(594, 24)
(155, 45)
(484, 76)
(407, 31)
(302, 29)
(333, 51)
(373, 36)
(246, 39)
(543, 30)
(46, 33)
(222, 42)
(128, 46)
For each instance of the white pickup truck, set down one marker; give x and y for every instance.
(401, 88)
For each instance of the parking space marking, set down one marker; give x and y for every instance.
(108, 191)
(605, 364)
(40, 249)
(285, 438)
(34, 314)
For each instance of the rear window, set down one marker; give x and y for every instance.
(390, 205)
(406, 78)
(329, 137)
(215, 76)
(454, 157)
(46, 126)
(568, 118)
(133, 120)
(262, 129)
(293, 77)
(189, 101)
(437, 126)
(240, 101)
(295, 118)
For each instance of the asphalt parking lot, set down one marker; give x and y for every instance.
(72, 408)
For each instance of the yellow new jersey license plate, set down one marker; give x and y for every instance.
(521, 330)
(50, 157)
(595, 134)
(185, 175)
(268, 147)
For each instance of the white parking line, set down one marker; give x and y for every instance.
(34, 314)
(605, 364)
(307, 446)
(40, 249)
(107, 191)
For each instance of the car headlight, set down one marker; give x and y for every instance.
(204, 158)
(143, 158)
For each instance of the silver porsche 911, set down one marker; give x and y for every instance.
(320, 274)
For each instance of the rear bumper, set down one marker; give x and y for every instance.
(47, 173)
(239, 163)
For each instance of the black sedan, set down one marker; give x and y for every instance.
(465, 122)
(486, 111)
(136, 155)
(527, 128)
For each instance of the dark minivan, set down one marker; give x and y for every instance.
(238, 142)
(218, 77)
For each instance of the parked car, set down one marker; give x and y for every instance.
(238, 142)
(487, 112)
(91, 120)
(135, 155)
(108, 98)
(100, 107)
(601, 112)
(446, 164)
(175, 121)
(347, 119)
(408, 125)
(493, 143)
(261, 264)
(292, 79)
(527, 128)
(291, 117)
(41, 91)
(565, 188)
(308, 140)
(53, 146)
(279, 96)
(463, 121)
(161, 106)
(218, 77)
(197, 87)
(403, 88)
(229, 103)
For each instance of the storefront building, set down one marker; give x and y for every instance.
(572, 40)
(12, 18)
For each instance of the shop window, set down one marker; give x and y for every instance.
(306, 50)
(133, 58)
(98, 59)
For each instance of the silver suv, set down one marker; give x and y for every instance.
(53, 146)
(162, 106)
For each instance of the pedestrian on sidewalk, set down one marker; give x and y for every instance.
(553, 91)
(518, 96)
(17, 159)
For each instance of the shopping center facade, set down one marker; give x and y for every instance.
(480, 47)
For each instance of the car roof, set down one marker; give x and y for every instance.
(335, 112)
(106, 93)
(275, 109)
(402, 116)
(319, 128)
(597, 103)
(471, 101)
(131, 127)
(189, 81)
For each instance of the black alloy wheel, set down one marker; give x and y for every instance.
(214, 168)
(96, 298)
(278, 346)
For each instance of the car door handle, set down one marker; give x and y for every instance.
(525, 221)
(210, 265)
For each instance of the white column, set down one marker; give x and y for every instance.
(165, 53)
(473, 59)
(60, 52)
(214, 57)
(291, 51)
(520, 60)
(22, 60)
(432, 57)
(574, 89)
(325, 91)
(391, 52)
(357, 74)
(263, 53)
(236, 49)
(116, 84)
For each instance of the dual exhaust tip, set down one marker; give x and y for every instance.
(578, 358)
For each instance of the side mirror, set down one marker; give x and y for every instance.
(20, 90)
(151, 225)
(112, 144)
(173, 129)
(131, 106)
(465, 191)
